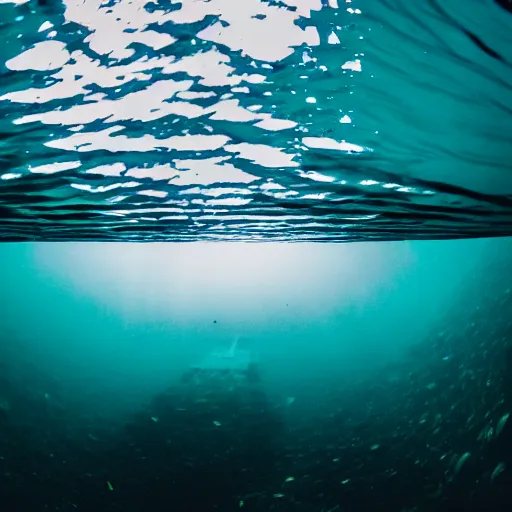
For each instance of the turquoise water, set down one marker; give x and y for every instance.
(254, 377)
(227, 376)
(294, 120)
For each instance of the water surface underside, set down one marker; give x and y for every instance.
(322, 120)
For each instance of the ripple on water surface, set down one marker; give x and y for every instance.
(285, 120)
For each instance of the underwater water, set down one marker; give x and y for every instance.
(254, 377)
(322, 120)
(259, 377)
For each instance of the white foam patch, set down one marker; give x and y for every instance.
(122, 23)
(55, 167)
(145, 105)
(215, 192)
(103, 140)
(275, 125)
(352, 65)
(104, 188)
(270, 185)
(108, 170)
(45, 26)
(265, 156)
(155, 173)
(74, 77)
(318, 197)
(153, 193)
(117, 26)
(210, 66)
(210, 171)
(316, 176)
(230, 110)
(15, 2)
(228, 201)
(327, 143)
(270, 39)
(43, 56)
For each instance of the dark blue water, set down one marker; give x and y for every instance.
(294, 120)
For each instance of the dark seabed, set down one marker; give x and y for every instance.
(220, 375)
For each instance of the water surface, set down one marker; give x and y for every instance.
(283, 120)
